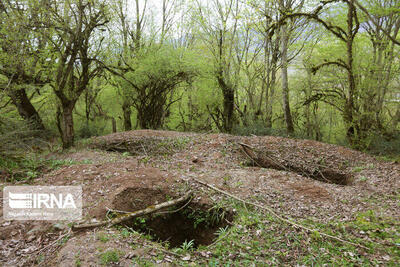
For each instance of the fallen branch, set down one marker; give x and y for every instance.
(174, 211)
(117, 211)
(35, 253)
(52, 243)
(271, 211)
(317, 171)
(134, 214)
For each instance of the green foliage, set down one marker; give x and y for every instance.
(139, 222)
(187, 246)
(78, 262)
(17, 137)
(125, 232)
(209, 218)
(358, 168)
(188, 64)
(103, 237)
(260, 239)
(26, 165)
(110, 256)
(18, 147)
(222, 231)
(151, 84)
(86, 131)
(383, 145)
(143, 262)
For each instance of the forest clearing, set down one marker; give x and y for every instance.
(199, 133)
(210, 227)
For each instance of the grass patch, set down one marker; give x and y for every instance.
(110, 256)
(103, 237)
(260, 239)
(31, 166)
(358, 168)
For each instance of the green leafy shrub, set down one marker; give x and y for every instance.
(381, 145)
(18, 145)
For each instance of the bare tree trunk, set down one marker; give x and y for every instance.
(139, 22)
(285, 84)
(396, 119)
(88, 103)
(229, 102)
(67, 126)
(308, 92)
(114, 125)
(126, 109)
(25, 108)
(271, 92)
(228, 92)
(353, 131)
(191, 110)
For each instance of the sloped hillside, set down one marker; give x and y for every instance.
(262, 200)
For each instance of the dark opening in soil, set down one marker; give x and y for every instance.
(196, 222)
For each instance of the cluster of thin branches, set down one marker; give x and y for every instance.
(19, 137)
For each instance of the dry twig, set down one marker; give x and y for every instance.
(271, 211)
(134, 214)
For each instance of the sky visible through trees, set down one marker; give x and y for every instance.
(324, 70)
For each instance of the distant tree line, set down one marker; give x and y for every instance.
(316, 69)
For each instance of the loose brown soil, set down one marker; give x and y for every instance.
(160, 166)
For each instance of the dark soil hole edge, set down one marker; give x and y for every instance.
(197, 222)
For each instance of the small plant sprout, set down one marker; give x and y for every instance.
(187, 246)
(358, 169)
(222, 231)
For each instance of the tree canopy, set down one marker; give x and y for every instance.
(325, 70)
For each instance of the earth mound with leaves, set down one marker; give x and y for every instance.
(263, 200)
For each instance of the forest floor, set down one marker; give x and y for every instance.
(130, 171)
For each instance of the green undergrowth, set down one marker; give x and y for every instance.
(28, 167)
(259, 239)
(110, 256)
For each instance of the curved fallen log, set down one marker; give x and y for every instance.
(312, 170)
(134, 214)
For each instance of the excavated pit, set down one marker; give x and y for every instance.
(176, 224)
(199, 223)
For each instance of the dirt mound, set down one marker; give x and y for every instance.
(146, 142)
(329, 173)
(323, 162)
(151, 175)
(309, 151)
